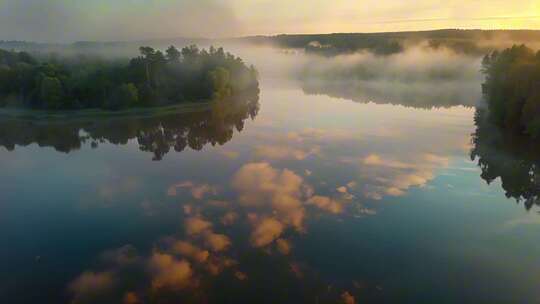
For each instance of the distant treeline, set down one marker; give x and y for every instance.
(151, 79)
(512, 89)
(471, 42)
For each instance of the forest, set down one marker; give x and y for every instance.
(512, 89)
(154, 78)
(468, 42)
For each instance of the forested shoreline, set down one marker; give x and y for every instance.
(512, 89)
(465, 42)
(152, 79)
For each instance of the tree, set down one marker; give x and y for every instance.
(124, 96)
(220, 78)
(173, 54)
(147, 52)
(511, 89)
(51, 92)
(151, 79)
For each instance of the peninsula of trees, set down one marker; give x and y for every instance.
(152, 79)
(512, 89)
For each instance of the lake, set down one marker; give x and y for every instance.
(318, 191)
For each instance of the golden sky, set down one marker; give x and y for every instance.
(315, 16)
(67, 20)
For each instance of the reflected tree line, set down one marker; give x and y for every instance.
(425, 96)
(513, 158)
(156, 131)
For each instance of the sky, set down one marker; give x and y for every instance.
(75, 20)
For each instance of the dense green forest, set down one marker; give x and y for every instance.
(512, 89)
(152, 79)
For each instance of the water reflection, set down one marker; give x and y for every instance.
(422, 96)
(513, 159)
(317, 202)
(232, 238)
(156, 131)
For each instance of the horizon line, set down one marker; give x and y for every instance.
(295, 34)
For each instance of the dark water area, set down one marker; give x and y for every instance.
(309, 193)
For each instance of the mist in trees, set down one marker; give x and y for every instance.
(154, 78)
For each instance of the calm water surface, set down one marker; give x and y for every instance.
(294, 198)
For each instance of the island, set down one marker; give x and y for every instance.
(154, 78)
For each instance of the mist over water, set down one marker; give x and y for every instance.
(418, 77)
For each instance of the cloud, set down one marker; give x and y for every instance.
(90, 284)
(122, 256)
(284, 246)
(280, 152)
(327, 204)
(198, 191)
(116, 186)
(344, 191)
(240, 276)
(190, 251)
(196, 225)
(361, 211)
(137, 19)
(217, 242)
(266, 231)
(229, 218)
(214, 264)
(170, 273)
(131, 298)
(229, 154)
(391, 177)
(527, 219)
(259, 184)
(217, 264)
(47, 20)
(347, 298)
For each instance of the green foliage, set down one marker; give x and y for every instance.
(124, 96)
(220, 79)
(512, 89)
(152, 79)
(51, 92)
